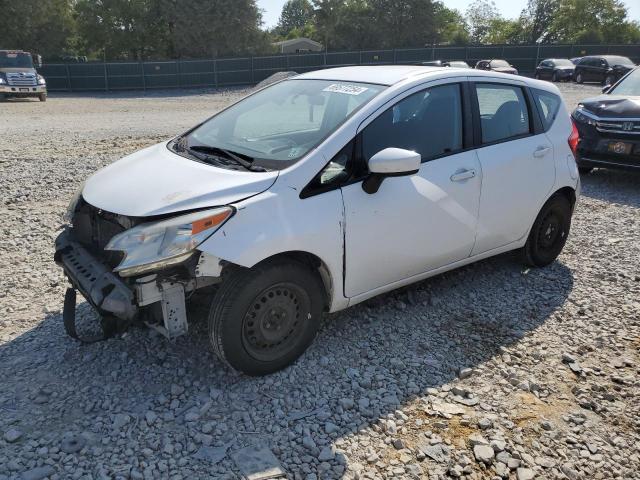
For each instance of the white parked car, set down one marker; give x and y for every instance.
(317, 193)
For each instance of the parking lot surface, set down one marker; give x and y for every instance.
(489, 371)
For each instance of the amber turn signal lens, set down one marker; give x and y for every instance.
(209, 222)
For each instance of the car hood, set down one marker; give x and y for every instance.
(613, 106)
(504, 69)
(156, 181)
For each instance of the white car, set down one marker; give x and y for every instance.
(317, 193)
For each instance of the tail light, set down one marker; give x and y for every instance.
(574, 138)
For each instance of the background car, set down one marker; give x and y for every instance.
(555, 69)
(575, 60)
(435, 63)
(459, 64)
(605, 69)
(497, 65)
(609, 127)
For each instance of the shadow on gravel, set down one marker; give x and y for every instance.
(612, 186)
(144, 392)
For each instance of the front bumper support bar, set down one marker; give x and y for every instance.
(105, 291)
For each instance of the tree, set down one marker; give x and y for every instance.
(44, 27)
(296, 14)
(481, 16)
(593, 21)
(405, 23)
(326, 17)
(451, 26)
(536, 20)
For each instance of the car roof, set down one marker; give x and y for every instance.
(380, 74)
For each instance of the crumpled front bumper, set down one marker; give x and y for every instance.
(94, 280)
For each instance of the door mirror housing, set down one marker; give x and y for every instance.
(390, 162)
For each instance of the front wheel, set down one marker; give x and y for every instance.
(262, 319)
(43, 97)
(549, 232)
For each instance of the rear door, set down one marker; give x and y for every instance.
(516, 158)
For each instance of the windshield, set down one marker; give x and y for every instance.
(563, 63)
(619, 61)
(281, 123)
(630, 85)
(499, 63)
(15, 60)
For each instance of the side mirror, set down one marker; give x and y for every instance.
(390, 162)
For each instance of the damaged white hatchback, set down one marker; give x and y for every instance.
(317, 193)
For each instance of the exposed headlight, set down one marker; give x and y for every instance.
(583, 116)
(73, 204)
(151, 246)
(41, 80)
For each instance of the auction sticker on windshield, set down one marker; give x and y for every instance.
(348, 89)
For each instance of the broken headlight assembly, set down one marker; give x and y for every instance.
(152, 246)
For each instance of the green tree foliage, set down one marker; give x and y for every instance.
(593, 21)
(44, 27)
(296, 15)
(536, 21)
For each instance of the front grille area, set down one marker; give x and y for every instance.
(93, 228)
(631, 127)
(22, 79)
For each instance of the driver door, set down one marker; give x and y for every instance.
(417, 223)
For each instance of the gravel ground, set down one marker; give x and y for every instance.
(490, 371)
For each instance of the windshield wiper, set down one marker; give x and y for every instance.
(216, 151)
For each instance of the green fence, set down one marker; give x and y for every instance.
(223, 72)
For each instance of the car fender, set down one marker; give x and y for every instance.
(278, 221)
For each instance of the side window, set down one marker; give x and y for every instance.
(548, 105)
(334, 174)
(428, 122)
(503, 112)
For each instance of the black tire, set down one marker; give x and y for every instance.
(43, 97)
(609, 80)
(262, 319)
(549, 232)
(555, 77)
(579, 78)
(585, 170)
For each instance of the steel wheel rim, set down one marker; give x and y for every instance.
(274, 321)
(551, 232)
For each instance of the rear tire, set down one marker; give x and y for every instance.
(549, 232)
(585, 170)
(579, 78)
(43, 97)
(262, 319)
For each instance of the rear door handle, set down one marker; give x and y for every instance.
(463, 175)
(541, 151)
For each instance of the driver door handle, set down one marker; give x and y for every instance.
(541, 151)
(463, 175)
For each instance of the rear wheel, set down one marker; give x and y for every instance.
(262, 319)
(579, 78)
(549, 232)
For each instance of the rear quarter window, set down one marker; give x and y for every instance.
(548, 105)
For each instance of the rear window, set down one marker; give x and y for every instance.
(548, 105)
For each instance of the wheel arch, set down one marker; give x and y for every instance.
(312, 261)
(569, 193)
